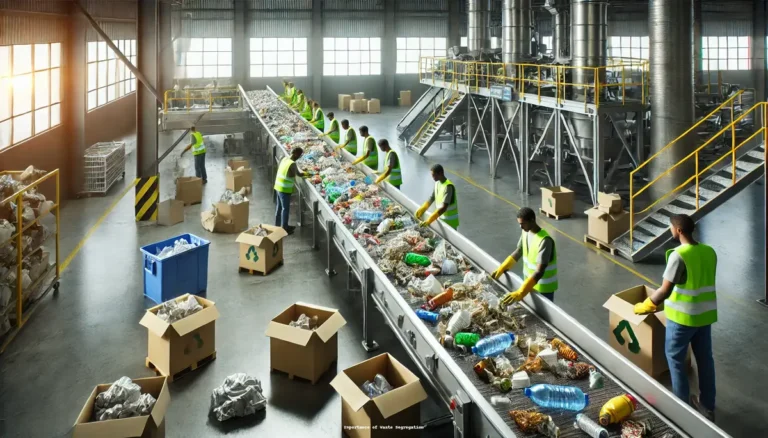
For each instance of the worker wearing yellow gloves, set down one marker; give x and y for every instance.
(690, 306)
(370, 156)
(539, 255)
(446, 198)
(333, 131)
(349, 137)
(391, 172)
(318, 118)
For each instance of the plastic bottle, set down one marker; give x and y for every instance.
(445, 312)
(368, 215)
(559, 397)
(500, 401)
(459, 321)
(406, 221)
(468, 339)
(493, 345)
(617, 409)
(439, 300)
(415, 259)
(427, 315)
(595, 379)
(368, 180)
(382, 384)
(586, 425)
(370, 389)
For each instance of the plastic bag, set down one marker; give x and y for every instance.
(449, 267)
(172, 311)
(384, 226)
(473, 279)
(178, 247)
(305, 322)
(238, 396)
(427, 286)
(234, 198)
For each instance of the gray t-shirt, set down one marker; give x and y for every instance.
(392, 161)
(546, 248)
(675, 271)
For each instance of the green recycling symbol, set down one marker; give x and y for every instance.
(550, 201)
(252, 254)
(199, 340)
(633, 346)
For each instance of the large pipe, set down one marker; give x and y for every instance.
(561, 29)
(589, 34)
(671, 66)
(516, 29)
(478, 23)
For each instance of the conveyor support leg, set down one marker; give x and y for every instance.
(331, 227)
(368, 289)
(460, 404)
(315, 213)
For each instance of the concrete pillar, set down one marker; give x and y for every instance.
(389, 53)
(697, 53)
(167, 59)
(760, 30)
(74, 104)
(315, 68)
(671, 64)
(147, 24)
(240, 49)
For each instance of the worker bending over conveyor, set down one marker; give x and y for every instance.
(446, 198)
(306, 110)
(298, 101)
(333, 131)
(318, 118)
(539, 255)
(290, 91)
(392, 171)
(690, 306)
(349, 138)
(370, 155)
(285, 179)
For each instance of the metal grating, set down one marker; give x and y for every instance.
(104, 164)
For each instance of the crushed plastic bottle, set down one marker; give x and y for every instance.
(558, 397)
(368, 215)
(416, 259)
(617, 409)
(382, 384)
(493, 345)
(459, 321)
(500, 401)
(596, 380)
(428, 316)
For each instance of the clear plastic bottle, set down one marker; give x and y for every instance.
(459, 321)
(558, 397)
(500, 401)
(493, 345)
(369, 388)
(368, 215)
(445, 312)
(428, 316)
(382, 384)
(406, 221)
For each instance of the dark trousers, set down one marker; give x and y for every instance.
(548, 295)
(283, 209)
(200, 167)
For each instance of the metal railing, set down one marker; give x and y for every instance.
(22, 254)
(203, 100)
(697, 175)
(437, 113)
(627, 75)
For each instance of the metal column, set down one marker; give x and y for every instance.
(146, 103)
(330, 227)
(388, 51)
(315, 224)
(558, 149)
(75, 104)
(369, 289)
(316, 51)
(239, 45)
(524, 149)
(470, 101)
(598, 158)
(494, 140)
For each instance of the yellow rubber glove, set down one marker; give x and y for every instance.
(645, 307)
(422, 209)
(359, 160)
(376, 172)
(433, 217)
(508, 264)
(519, 294)
(380, 179)
(337, 148)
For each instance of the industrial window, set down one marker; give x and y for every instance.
(463, 42)
(208, 58)
(725, 53)
(409, 50)
(109, 78)
(629, 47)
(273, 57)
(351, 56)
(547, 41)
(30, 91)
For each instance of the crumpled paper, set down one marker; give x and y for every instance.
(305, 322)
(238, 396)
(179, 246)
(172, 311)
(234, 198)
(123, 399)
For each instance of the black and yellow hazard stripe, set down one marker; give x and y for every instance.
(147, 194)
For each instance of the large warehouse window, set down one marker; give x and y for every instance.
(725, 53)
(208, 58)
(409, 50)
(273, 57)
(30, 91)
(108, 77)
(629, 47)
(351, 56)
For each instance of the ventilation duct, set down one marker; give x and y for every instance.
(516, 30)
(561, 29)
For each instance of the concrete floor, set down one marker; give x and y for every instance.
(89, 333)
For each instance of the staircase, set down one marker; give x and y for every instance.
(423, 103)
(711, 185)
(437, 121)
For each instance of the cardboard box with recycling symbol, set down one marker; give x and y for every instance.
(261, 248)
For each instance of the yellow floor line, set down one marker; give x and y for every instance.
(547, 224)
(95, 226)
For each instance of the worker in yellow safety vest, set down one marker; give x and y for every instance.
(539, 255)
(370, 155)
(198, 151)
(690, 307)
(285, 180)
(318, 118)
(298, 101)
(289, 91)
(391, 172)
(446, 198)
(306, 110)
(349, 136)
(333, 131)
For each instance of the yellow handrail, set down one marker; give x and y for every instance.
(204, 94)
(698, 173)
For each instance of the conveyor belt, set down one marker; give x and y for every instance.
(563, 419)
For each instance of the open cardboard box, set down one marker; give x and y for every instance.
(604, 226)
(609, 202)
(557, 201)
(228, 219)
(148, 426)
(394, 414)
(173, 347)
(261, 253)
(238, 162)
(304, 353)
(189, 189)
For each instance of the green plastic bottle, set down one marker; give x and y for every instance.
(416, 259)
(468, 339)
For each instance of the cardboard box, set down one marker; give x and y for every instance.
(261, 253)
(609, 202)
(227, 218)
(557, 201)
(358, 106)
(405, 98)
(238, 162)
(363, 417)
(344, 101)
(357, 96)
(148, 426)
(173, 347)
(606, 226)
(170, 212)
(237, 179)
(304, 353)
(189, 189)
(374, 106)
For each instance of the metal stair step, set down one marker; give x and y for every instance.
(748, 167)
(642, 235)
(652, 228)
(674, 209)
(690, 200)
(725, 182)
(760, 155)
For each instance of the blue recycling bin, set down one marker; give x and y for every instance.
(177, 275)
